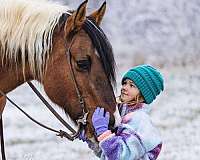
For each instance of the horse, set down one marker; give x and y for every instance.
(64, 50)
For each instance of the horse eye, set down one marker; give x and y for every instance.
(84, 65)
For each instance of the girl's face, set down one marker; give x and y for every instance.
(129, 91)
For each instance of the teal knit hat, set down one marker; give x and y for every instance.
(147, 79)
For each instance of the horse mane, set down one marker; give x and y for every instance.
(103, 47)
(26, 29)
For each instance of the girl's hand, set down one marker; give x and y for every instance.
(100, 120)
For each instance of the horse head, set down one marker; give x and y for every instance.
(80, 70)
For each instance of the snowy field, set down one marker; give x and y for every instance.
(176, 113)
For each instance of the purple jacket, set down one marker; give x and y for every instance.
(135, 138)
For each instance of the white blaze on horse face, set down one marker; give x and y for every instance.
(117, 116)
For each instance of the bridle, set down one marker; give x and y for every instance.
(81, 121)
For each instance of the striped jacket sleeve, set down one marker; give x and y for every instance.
(129, 142)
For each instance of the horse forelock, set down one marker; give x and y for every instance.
(26, 28)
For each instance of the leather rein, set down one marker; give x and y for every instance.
(81, 121)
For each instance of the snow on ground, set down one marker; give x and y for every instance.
(176, 113)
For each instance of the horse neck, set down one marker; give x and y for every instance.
(12, 77)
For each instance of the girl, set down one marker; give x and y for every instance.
(135, 138)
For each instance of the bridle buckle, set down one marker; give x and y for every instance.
(83, 119)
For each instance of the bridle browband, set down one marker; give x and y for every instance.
(81, 121)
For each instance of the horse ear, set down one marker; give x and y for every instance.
(76, 20)
(97, 16)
